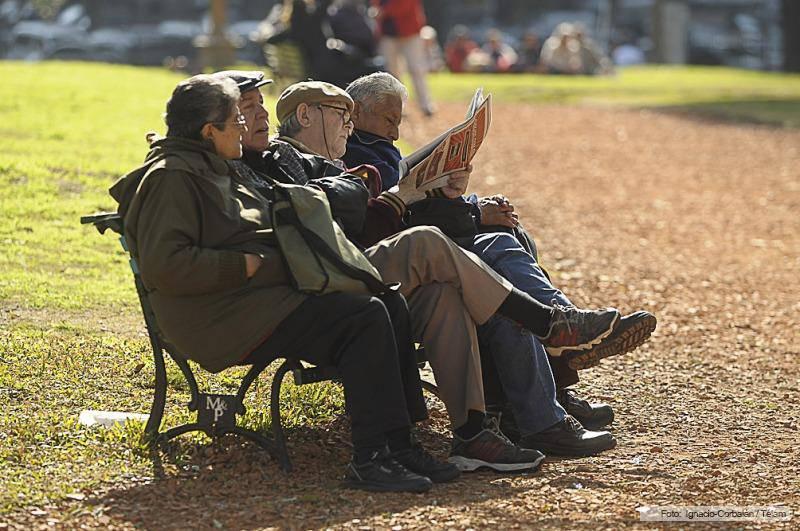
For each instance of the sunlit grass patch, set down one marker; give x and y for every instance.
(49, 375)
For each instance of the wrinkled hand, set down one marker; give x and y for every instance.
(251, 264)
(496, 210)
(457, 183)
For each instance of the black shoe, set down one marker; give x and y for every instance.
(630, 332)
(591, 416)
(418, 460)
(383, 474)
(491, 449)
(568, 437)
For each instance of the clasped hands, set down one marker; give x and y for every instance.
(497, 210)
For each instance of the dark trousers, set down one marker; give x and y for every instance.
(368, 339)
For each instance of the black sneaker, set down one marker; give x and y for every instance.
(491, 449)
(568, 437)
(383, 474)
(575, 330)
(418, 460)
(630, 332)
(591, 416)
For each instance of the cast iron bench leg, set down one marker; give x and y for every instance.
(275, 407)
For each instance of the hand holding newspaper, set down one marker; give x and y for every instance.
(430, 166)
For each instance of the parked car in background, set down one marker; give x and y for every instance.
(35, 40)
(245, 36)
(159, 44)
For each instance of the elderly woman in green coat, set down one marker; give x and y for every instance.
(201, 234)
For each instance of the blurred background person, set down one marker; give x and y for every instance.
(399, 24)
(458, 47)
(335, 39)
(593, 59)
(561, 52)
(529, 53)
(350, 23)
(501, 56)
(627, 52)
(433, 52)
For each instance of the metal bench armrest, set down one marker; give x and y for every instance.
(104, 221)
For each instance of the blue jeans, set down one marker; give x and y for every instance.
(520, 358)
(503, 253)
(524, 373)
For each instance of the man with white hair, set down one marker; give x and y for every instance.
(521, 362)
(449, 290)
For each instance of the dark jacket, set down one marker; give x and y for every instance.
(366, 148)
(365, 220)
(458, 218)
(189, 220)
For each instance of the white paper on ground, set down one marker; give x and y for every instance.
(90, 417)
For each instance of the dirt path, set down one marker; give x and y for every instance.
(696, 222)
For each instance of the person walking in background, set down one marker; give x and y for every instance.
(399, 24)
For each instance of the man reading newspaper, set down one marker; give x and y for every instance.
(378, 109)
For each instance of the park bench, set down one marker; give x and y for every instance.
(216, 413)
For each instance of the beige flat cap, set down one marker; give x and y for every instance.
(309, 92)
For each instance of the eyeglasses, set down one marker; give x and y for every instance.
(239, 122)
(344, 114)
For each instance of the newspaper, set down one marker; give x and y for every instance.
(452, 151)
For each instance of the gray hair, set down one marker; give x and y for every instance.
(197, 101)
(290, 126)
(376, 88)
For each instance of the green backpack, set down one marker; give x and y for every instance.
(319, 256)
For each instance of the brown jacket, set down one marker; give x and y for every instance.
(189, 219)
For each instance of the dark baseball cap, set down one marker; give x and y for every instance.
(244, 79)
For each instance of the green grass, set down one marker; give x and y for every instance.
(67, 131)
(48, 376)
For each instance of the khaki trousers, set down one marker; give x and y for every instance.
(449, 291)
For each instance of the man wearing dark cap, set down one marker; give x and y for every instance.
(449, 290)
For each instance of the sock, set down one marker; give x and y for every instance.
(473, 426)
(399, 439)
(527, 311)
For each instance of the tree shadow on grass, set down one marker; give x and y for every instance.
(236, 485)
(783, 113)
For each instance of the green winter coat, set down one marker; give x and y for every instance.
(189, 220)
